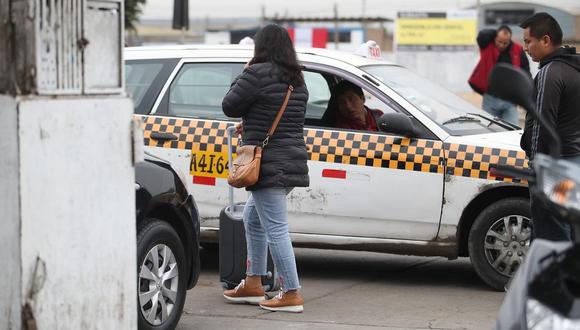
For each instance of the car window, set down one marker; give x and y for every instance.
(318, 94)
(373, 102)
(140, 77)
(144, 80)
(321, 110)
(199, 88)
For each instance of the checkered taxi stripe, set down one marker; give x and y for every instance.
(195, 135)
(474, 162)
(374, 150)
(348, 148)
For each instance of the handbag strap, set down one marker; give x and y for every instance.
(278, 116)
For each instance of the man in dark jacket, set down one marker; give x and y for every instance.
(557, 90)
(496, 46)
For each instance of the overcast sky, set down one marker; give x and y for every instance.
(163, 9)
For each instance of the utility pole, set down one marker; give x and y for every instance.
(335, 26)
(478, 12)
(181, 17)
(364, 8)
(206, 24)
(364, 22)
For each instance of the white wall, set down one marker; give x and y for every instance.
(9, 216)
(217, 38)
(77, 212)
(451, 69)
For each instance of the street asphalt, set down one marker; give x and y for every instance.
(356, 290)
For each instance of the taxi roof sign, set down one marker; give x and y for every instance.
(247, 41)
(369, 49)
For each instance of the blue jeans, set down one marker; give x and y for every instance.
(547, 224)
(266, 224)
(501, 109)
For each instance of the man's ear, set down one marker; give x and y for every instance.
(546, 41)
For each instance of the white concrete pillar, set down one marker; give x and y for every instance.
(67, 212)
(10, 286)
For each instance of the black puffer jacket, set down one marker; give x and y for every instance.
(256, 95)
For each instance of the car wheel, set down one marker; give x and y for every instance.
(161, 276)
(499, 240)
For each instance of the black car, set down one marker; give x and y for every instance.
(167, 243)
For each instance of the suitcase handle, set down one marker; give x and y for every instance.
(230, 133)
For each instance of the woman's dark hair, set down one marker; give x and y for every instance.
(543, 24)
(272, 43)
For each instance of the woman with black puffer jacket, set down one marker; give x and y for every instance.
(257, 95)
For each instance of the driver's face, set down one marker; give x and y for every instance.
(351, 105)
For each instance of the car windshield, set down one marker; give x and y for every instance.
(451, 112)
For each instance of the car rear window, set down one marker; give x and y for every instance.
(144, 80)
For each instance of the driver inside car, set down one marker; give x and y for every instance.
(347, 109)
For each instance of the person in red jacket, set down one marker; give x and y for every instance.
(496, 46)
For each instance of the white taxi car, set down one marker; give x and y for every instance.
(421, 186)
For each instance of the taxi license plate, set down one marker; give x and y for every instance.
(209, 164)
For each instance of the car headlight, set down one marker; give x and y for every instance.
(559, 180)
(561, 190)
(566, 192)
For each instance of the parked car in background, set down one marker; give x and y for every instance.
(168, 262)
(421, 186)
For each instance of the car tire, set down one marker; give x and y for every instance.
(161, 290)
(499, 240)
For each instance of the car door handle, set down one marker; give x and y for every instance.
(163, 136)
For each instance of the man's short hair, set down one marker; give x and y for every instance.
(504, 28)
(543, 24)
(344, 86)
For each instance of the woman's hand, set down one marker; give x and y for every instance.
(239, 128)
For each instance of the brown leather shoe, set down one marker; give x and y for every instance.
(290, 301)
(243, 294)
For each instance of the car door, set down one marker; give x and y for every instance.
(367, 184)
(188, 128)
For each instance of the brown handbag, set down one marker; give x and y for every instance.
(245, 170)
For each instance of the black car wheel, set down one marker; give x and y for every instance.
(162, 275)
(499, 240)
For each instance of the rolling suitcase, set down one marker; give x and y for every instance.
(232, 243)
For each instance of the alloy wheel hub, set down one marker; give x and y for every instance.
(506, 243)
(158, 284)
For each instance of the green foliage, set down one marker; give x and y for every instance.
(133, 9)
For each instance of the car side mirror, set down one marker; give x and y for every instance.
(397, 123)
(513, 85)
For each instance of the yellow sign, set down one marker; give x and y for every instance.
(436, 29)
(209, 164)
